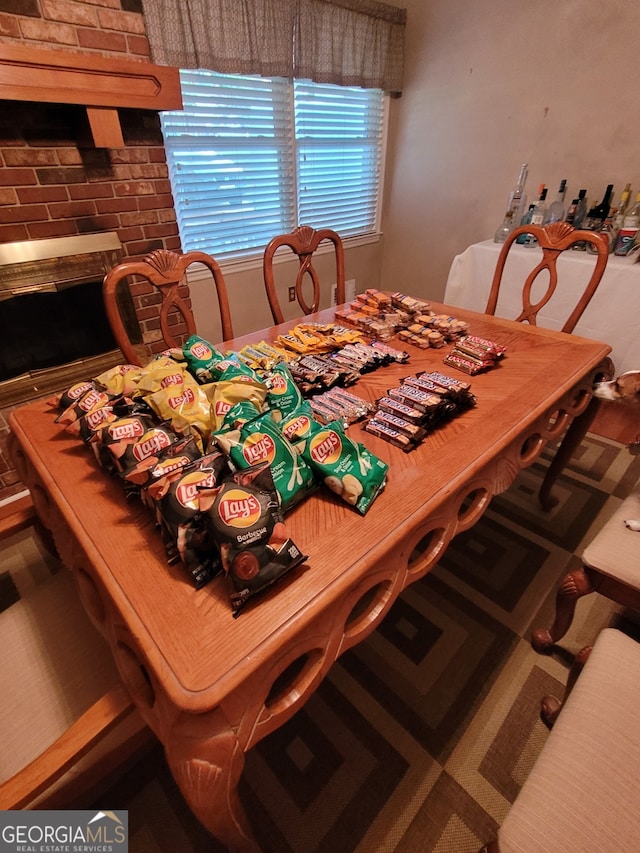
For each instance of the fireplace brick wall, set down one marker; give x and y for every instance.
(53, 183)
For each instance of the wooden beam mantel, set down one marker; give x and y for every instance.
(101, 84)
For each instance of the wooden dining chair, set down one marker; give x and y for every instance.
(554, 239)
(303, 242)
(610, 567)
(580, 794)
(67, 723)
(165, 272)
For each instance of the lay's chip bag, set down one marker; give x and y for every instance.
(260, 441)
(345, 466)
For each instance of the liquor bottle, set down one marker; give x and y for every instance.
(526, 219)
(516, 203)
(613, 223)
(581, 210)
(621, 212)
(599, 212)
(537, 215)
(540, 210)
(555, 213)
(629, 230)
(571, 211)
(505, 229)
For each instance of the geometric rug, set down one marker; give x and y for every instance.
(421, 736)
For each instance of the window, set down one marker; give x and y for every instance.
(251, 157)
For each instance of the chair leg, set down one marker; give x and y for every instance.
(574, 586)
(550, 706)
(571, 440)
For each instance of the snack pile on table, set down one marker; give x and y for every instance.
(220, 453)
(221, 446)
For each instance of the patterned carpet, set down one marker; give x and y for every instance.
(423, 734)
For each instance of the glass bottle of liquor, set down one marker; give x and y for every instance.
(621, 212)
(581, 210)
(629, 230)
(571, 211)
(613, 223)
(599, 212)
(516, 203)
(537, 215)
(540, 210)
(526, 219)
(505, 229)
(555, 213)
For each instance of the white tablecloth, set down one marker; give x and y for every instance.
(612, 316)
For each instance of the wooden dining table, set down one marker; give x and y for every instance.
(211, 686)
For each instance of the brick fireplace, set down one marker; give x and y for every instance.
(56, 183)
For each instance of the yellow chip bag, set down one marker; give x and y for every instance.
(186, 407)
(163, 372)
(121, 379)
(225, 394)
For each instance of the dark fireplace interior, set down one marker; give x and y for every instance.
(53, 326)
(42, 330)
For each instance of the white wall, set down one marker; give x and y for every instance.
(489, 85)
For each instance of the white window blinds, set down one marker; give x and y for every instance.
(252, 157)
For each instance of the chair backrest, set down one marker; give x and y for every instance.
(165, 271)
(553, 240)
(303, 241)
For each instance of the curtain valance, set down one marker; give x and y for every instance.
(349, 42)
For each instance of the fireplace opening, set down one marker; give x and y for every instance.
(43, 330)
(53, 326)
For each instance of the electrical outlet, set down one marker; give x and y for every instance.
(349, 291)
(292, 294)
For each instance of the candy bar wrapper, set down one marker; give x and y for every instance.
(345, 466)
(467, 365)
(245, 521)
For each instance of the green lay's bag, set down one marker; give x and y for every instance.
(202, 359)
(284, 395)
(260, 440)
(346, 466)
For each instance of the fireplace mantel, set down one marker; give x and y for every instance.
(101, 84)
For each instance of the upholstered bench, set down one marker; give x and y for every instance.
(583, 792)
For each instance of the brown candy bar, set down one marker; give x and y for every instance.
(488, 346)
(466, 365)
(448, 382)
(402, 410)
(382, 430)
(412, 431)
(419, 399)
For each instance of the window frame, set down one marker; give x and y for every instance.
(252, 258)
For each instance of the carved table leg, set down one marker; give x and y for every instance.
(574, 586)
(577, 430)
(550, 706)
(206, 763)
